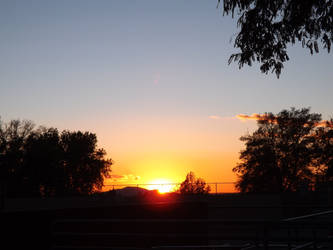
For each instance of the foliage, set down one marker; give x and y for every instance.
(323, 157)
(44, 162)
(267, 27)
(286, 151)
(193, 185)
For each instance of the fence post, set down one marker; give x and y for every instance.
(216, 188)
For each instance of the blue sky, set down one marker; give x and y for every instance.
(136, 71)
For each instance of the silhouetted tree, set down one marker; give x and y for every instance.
(12, 139)
(84, 164)
(43, 169)
(267, 27)
(193, 185)
(324, 153)
(44, 162)
(279, 154)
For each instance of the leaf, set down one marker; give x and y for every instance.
(316, 46)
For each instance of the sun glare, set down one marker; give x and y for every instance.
(162, 186)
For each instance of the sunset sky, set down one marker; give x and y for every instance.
(150, 78)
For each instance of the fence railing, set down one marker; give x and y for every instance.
(292, 233)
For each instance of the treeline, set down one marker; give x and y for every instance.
(44, 162)
(290, 151)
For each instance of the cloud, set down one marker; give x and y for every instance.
(324, 123)
(125, 177)
(215, 117)
(254, 117)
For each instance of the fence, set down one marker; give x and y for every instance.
(215, 187)
(302, 232)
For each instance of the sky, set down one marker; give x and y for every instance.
(150, 78)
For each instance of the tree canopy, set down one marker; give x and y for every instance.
(267, 27)
(45, 162)
(288, 150)
(193, 185)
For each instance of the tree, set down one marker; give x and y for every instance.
(44, 162)
(279, 155)
(324, 153)
(12, 138)
(193, 185)
(84, 164)
(267, 27)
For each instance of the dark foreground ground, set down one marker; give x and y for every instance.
(128, 223)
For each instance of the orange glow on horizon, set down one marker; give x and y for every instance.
(147, 153)
(162, 186)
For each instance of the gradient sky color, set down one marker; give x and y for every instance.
(150, 78)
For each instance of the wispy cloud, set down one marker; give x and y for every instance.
(125, 177)
(324, 123)
(215, 117)
(218, 117)
(253, 117)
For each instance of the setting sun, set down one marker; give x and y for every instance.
(162, 186)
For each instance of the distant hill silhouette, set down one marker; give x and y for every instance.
(133, 191)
